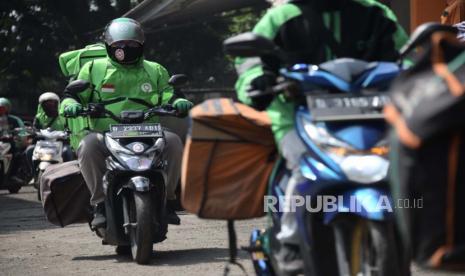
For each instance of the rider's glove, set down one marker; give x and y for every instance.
(72, 110)
(262, 83)
(183, 106)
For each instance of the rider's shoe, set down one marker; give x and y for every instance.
(289, 260)
(171, 216)
(99, 220)
(123, 250)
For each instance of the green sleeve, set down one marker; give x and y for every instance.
(38, 122)
(82, 97)
(250, 68)
(164, 89)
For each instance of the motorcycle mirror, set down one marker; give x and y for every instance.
(178, 80)
(422, 34)
(249, 45)
(77, 86)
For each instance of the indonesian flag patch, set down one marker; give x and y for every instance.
(108, 88)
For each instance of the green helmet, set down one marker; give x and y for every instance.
(124, 29)
(5, 103)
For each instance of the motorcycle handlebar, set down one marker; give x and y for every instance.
(281, 87)
(165, 110)
(99, 111)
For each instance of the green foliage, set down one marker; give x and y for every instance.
(245, 22)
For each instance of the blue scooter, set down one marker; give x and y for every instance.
(346, 223)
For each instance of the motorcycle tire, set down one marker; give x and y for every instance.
(37, 180)
(367, 248)
(141, 232)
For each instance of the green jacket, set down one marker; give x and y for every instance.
(134, 87)
(363, 29)
(42, 121)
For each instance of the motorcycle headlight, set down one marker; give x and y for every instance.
(115, 147)
(46, 156)
(47, 150)
(128, 158)
(136, 162)
(359, 166)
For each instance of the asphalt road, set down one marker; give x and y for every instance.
(29, 245)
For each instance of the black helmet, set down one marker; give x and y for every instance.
(124, 40)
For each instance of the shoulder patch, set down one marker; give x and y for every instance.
(146, 87)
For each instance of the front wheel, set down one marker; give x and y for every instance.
(141, 226)
(367, 248)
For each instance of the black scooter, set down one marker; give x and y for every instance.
(134, 183)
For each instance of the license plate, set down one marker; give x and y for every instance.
(139, 130)
(347, 107)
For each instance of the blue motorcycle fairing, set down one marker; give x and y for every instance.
(383, 73)
(312, 77)
(310, 167)
(314, 149)
(369, 203)
(360, 135)
(317, 79)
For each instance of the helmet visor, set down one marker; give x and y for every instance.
(50, 108)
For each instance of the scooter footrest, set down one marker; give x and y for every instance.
(130, 225)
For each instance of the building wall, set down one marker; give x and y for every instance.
(422, 12)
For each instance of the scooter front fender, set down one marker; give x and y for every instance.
(369, 203)
(139, 184)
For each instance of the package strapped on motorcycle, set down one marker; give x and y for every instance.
(341, 107)
(151, 130)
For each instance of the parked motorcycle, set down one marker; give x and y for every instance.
(7, 144)
(134, 183)
(6, 156)
(339, 119)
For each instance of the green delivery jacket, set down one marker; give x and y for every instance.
(41, 120)
(362, 29)
(119, 88)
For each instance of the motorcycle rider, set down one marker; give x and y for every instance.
(10, 122)
(47, 117)
(128, 82)
(5, 109)
(312, 32)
